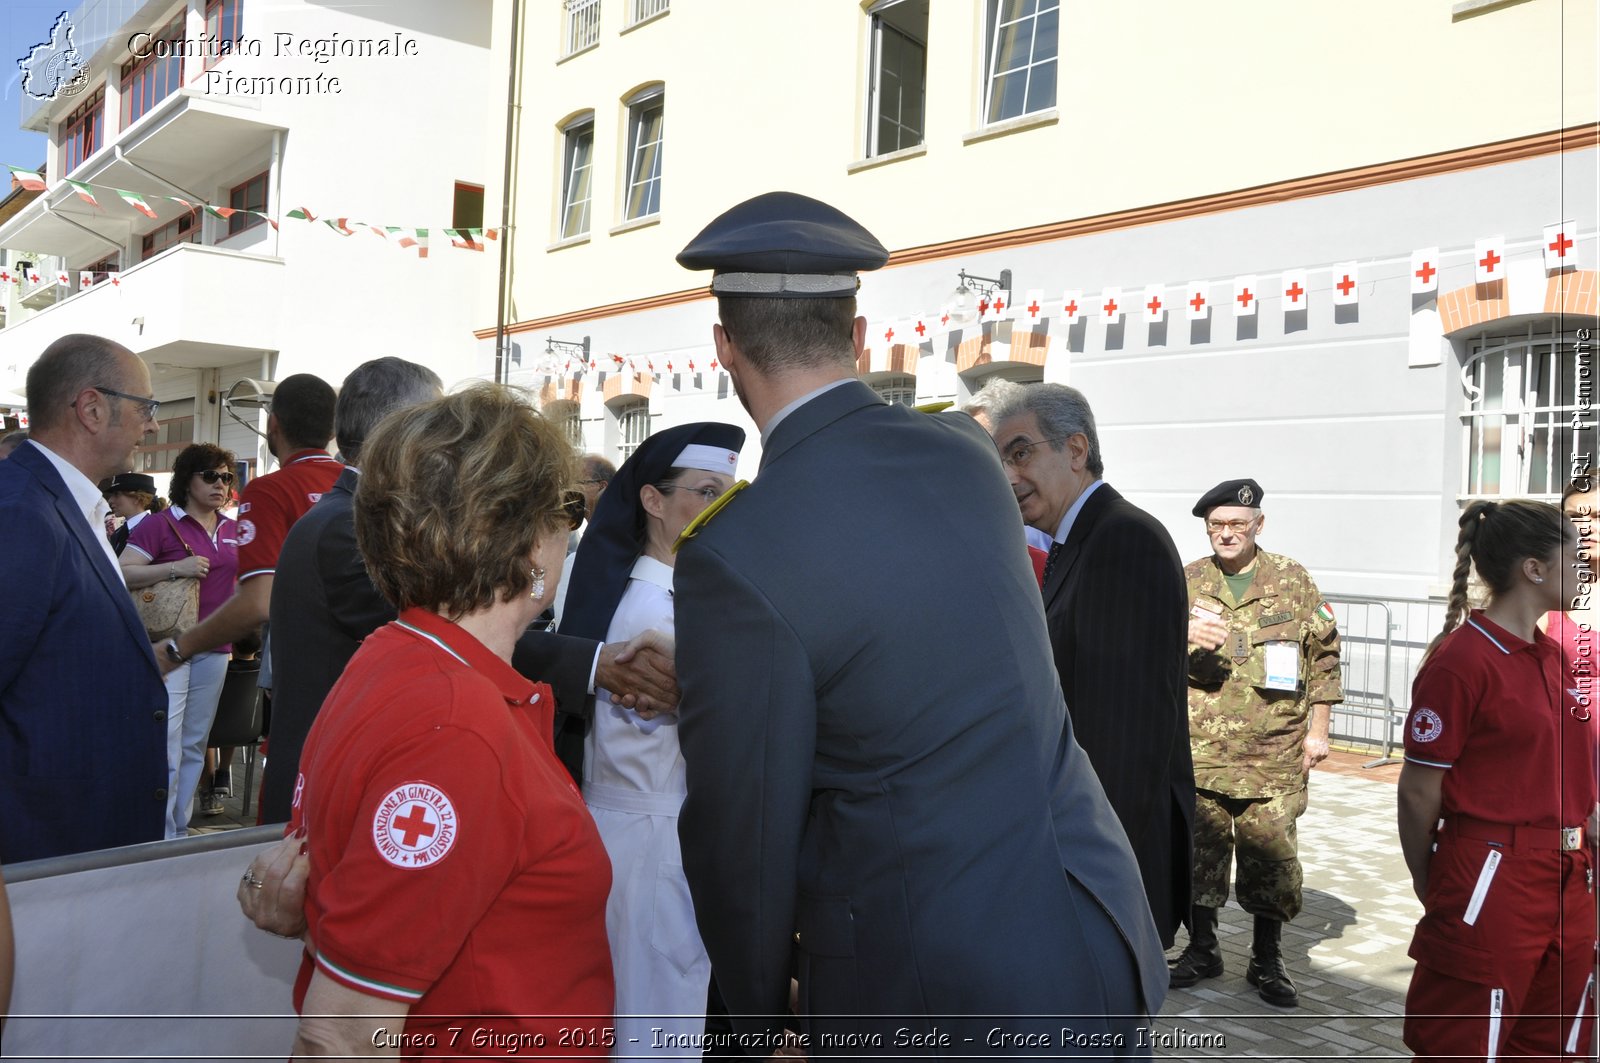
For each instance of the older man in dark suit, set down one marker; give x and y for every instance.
(1117, 606)
(83, 731)
(883, 787)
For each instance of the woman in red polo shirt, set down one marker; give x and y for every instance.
(1497, 799)
(457, 892)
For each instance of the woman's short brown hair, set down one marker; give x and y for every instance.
(454, 495)
(195, 458)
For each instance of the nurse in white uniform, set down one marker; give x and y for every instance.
(633, 771)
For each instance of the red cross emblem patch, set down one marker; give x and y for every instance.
(414, 826)
(1426, 725)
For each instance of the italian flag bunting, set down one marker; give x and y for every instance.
(302, 214)
(465, 238)
(84, 192)
(136, 201)
(339, 225)
(26, 178)
(221, 212)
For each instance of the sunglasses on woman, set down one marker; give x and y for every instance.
(211, 476)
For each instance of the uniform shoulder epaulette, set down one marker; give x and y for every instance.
(710, 511)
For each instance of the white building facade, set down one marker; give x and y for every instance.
(1156, 150)
(311, 127)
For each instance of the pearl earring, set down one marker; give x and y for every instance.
(1538, 579)
(538, 583)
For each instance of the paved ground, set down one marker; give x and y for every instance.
(1346, 951)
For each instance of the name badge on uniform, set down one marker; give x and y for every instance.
(1283, 666)
(1274, 619)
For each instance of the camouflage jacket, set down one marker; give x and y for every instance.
(1246, 738)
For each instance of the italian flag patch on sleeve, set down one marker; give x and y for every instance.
(1325, 612)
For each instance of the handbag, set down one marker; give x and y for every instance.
(168, 607)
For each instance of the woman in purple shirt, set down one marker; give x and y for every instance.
(190, 540)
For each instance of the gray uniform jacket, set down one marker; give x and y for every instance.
(883, 785)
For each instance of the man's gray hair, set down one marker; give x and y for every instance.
(374, 390)
(598, 467)
(1061, 411)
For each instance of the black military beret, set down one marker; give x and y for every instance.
(1244, 492)
(784, 246)
(129, 482)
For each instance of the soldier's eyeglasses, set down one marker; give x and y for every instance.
(1237, 527)
(1019, 455)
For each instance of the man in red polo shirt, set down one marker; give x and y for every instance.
(299, 425)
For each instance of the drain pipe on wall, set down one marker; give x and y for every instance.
(507, 229)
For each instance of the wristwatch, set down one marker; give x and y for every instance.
(173, 654)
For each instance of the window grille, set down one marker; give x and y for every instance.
(583, 26)
(1529, 415)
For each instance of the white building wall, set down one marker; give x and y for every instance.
(385, 147)
(1358, 451)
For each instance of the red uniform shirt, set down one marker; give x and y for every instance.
(1501, 715)
(453, 863)
(272, 503)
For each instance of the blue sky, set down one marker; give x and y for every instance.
(23, 24)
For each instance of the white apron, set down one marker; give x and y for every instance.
(634, 786)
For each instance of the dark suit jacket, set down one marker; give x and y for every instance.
(1117, 607)
(881, 774)
(324, 604)
(83, 732)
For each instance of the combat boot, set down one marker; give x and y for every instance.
(1266, 971)
(1202, 957)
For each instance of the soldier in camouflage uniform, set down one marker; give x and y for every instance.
(1263, 680)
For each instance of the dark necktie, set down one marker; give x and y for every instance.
(1050, 563)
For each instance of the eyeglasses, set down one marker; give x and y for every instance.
(1237, 527)
(710, 494)
(150, 405)
(1022, 453)
(211, 476)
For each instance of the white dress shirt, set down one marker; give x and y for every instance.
(91, 503)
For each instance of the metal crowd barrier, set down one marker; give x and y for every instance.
(1381, 645)
(141, 953)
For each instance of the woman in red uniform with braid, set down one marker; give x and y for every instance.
(1497, 802)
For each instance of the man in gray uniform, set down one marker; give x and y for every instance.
(883, 788)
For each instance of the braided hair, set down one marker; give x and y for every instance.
(1496, 537)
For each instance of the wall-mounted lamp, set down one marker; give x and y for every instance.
(962, 310)
(555, 346)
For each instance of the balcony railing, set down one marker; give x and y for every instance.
(583, 26)
(639, 10)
